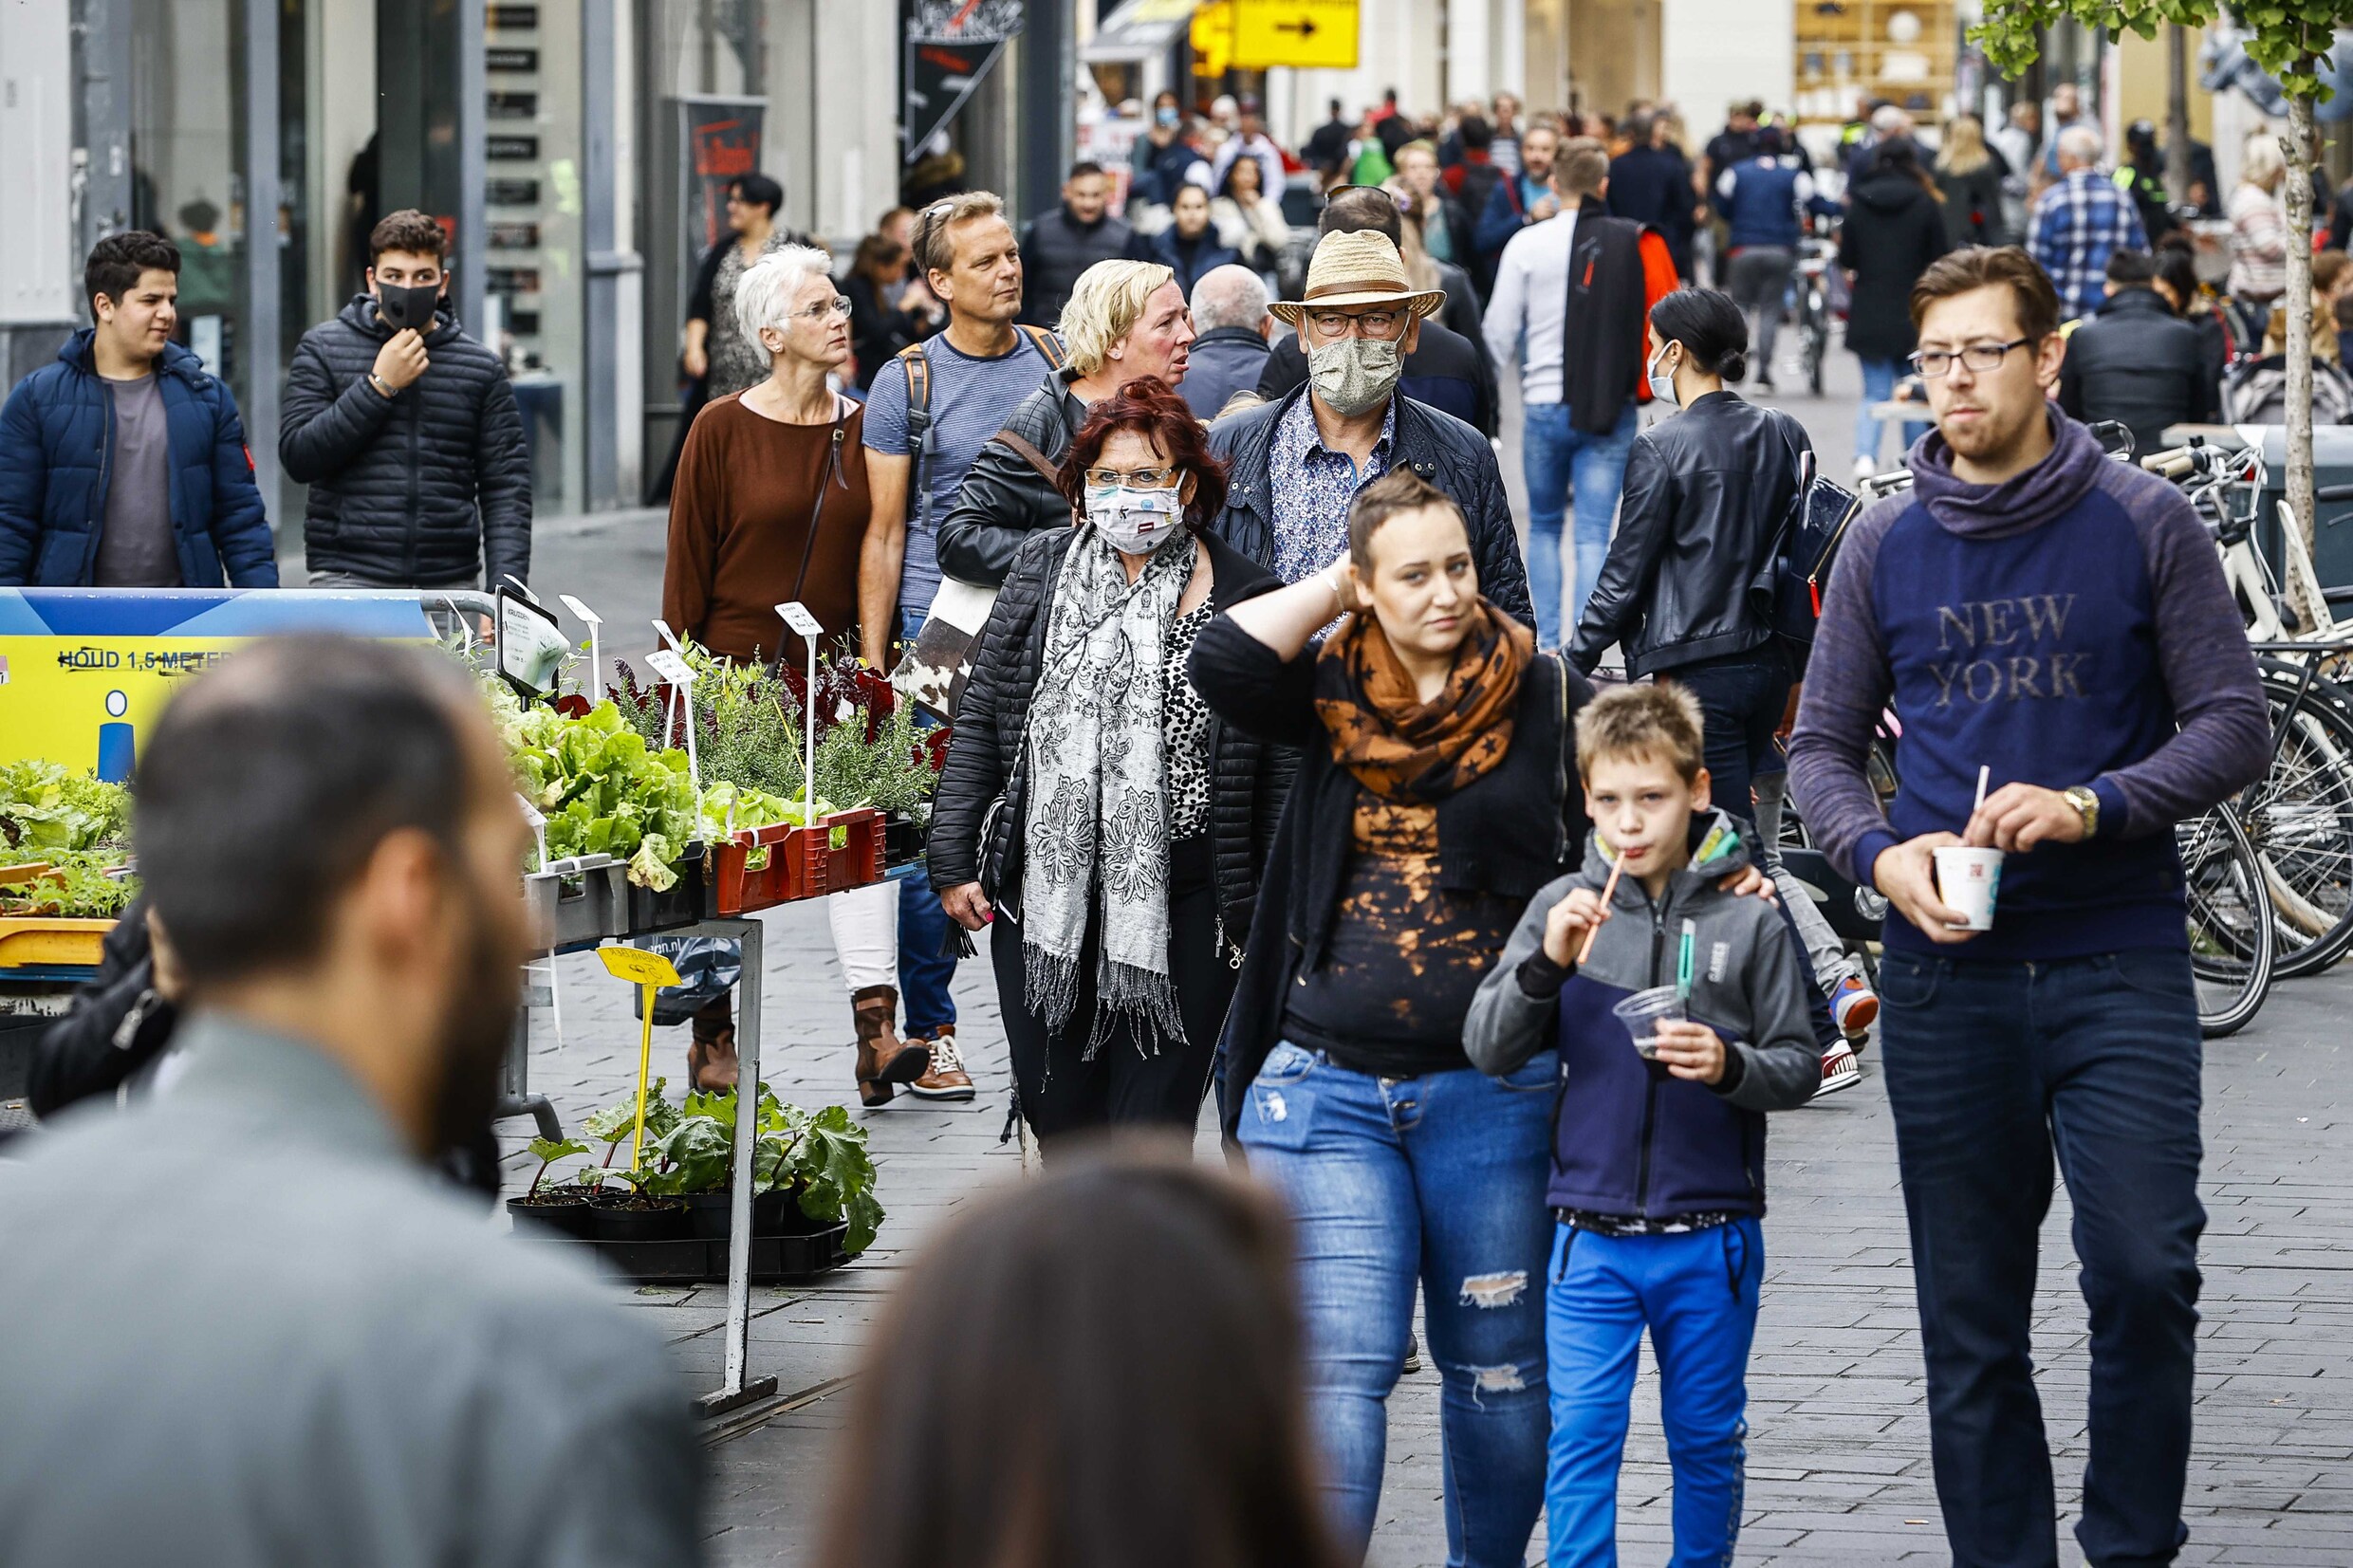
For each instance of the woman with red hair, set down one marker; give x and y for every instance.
(1092, 811)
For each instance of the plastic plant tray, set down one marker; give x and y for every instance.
(685, 903)
(48, 942)
(578, 903)
(801, 863)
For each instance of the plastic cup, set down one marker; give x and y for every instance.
(1642, 1013)
(1966, 881)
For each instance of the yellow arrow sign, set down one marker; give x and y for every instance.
(1212, 38)
(1318, 34)
(637, 967)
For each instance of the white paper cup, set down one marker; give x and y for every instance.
(1966, 881)
(1642, 1013)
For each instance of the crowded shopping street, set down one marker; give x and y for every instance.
(1175, 783)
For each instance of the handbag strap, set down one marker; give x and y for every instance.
(816, 512)
(1021, 448)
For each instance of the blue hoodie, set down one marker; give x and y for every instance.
(1629, 1140)
(2068, 626)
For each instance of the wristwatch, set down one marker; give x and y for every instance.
(2086, 806)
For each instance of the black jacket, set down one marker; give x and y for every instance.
(1894, 229)
(1441, 447)
(116, 1025)
(991, 720)
(2136, 361)
(1005, 499)
(1508, 834)
(1972, 205)
(879, 329)
(1652, 185)
(412, 490)
(1706, 494)
(1446, 370)
(1205, 254)
(1055, 249)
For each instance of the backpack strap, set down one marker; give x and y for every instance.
(918, 368)
(1048, 346)
(1029, 454)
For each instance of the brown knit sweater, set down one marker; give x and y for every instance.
(739, 523)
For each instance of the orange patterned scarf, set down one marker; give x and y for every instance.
(1400, 748)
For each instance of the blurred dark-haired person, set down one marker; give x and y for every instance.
(1113, 845)
(1065, 1444)
(124, 464)
(1058, 246)
(2176, 281)
(888, 310)
(406, 431)
(718, 354)
(2137, 360)
(328, 835)
(2034, 609)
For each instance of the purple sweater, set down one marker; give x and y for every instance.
(2070, 626)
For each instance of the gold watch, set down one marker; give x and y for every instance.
(2086, 806)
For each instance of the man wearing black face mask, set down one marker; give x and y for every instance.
(328, 835)
(407, 432)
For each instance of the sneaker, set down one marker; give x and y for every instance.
(1764, 385)
(1866, 467)
(1839, 1070)
(1853, 1004)
(947, 1079)
(1412, 1352)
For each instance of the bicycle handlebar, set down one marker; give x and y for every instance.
(2333, 492)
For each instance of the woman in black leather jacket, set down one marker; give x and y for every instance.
(1093, 812)
(1706, 494)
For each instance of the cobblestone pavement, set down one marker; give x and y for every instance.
(1838, 1456)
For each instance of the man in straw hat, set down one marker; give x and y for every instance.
(1358, 321)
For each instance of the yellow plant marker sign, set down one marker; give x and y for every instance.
(649, 972)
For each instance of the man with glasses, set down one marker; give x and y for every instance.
(2057, 624)
(1294, 464)
(1444, 368)
(1572, 302)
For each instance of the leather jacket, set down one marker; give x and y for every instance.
(1005, 499)
(2136, 361)
(1706, 495)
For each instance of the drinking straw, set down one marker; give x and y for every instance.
(1609, 890)
(1983, 771)
(1684, 961)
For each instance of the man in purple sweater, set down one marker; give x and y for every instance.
(2033, 608)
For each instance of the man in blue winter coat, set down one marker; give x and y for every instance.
(123, 465)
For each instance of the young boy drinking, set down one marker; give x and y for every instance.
(1658, 1142)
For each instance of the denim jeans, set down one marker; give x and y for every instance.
(1569, 469)
(1990, 1067)
(927, 965)
(1741, 697)
(1879, 384)
(1438, 1179)
(1697, 1294)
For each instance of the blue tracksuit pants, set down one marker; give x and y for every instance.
(1697, 1293)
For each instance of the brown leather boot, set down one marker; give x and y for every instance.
(947, 1079)
(884, 1060)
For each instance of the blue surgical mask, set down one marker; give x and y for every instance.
(1136, 521)
(1662, 381)
(1166, 116)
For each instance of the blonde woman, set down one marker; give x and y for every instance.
(1126, 318)
(1969, 181)
(2259, 224)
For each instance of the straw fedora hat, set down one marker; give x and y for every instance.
(1362, 268)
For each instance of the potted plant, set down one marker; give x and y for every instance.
(813, 1173)
(564, 1207)
(629, 1204)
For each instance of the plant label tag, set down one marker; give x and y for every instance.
(797, 617)
(581, 612)
(670, 668)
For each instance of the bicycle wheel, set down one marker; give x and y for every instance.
(2231, 945)
(2299, 816)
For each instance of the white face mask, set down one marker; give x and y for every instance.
(1662, 381)
(1136, 521)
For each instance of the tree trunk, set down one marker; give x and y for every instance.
(2297, 144)
(2177, 113)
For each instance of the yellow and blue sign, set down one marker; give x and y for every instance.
(84, 671)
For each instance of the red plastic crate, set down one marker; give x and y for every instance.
(801, 863)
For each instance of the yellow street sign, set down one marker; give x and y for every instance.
(648, 971)
(1212, 38)
(637, 966)
(1318, 34)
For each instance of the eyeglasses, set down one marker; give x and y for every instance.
(838, 308)
(1143, 479)
(1382, 324)
(1980, 357)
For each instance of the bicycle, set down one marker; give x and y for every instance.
(1815, 259)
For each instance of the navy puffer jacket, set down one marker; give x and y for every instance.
(56, 437)
(416, 489)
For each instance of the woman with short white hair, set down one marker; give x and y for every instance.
(2259, 225)
(770, 507)
(1124, 319)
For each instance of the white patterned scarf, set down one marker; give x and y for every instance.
(1093, 819)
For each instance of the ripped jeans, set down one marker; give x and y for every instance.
(1437, 1179)
(1697, 1294)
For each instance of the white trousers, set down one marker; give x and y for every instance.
(865, 934)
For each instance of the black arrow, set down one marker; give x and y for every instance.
(1305, 27)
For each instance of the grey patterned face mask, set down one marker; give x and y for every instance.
(1354, 375)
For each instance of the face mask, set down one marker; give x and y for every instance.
(1354, 375)
(407, 308)
(1136, 522)
(1661, 383)
(1166, 116)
